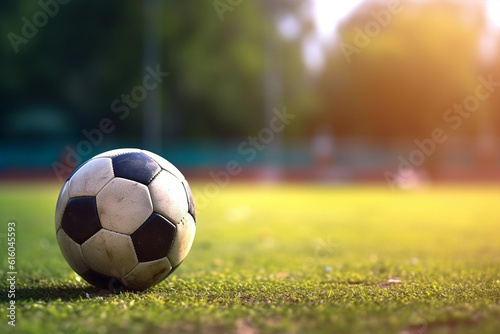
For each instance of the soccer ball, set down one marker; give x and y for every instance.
(125, 219)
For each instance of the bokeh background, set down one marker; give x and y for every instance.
(363, 80)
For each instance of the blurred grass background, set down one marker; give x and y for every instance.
(290, 258)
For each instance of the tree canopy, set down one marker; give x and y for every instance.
(388, 74)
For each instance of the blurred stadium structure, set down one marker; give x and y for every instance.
(392, 74)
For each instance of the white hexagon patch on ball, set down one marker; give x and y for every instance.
(125, 219)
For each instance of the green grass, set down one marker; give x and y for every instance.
(286, 259)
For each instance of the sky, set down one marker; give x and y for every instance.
(327, 16)
(329, 13)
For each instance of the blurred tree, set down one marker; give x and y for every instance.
(90, 53)
(218, 66)
(405, 74)
(81, 59)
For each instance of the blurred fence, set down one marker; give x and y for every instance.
(352, 159)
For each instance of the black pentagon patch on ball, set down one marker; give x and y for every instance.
(191, 208)
(153, 239)
(80, 220)
(112, 284)
(135, 166)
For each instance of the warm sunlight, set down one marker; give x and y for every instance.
(330, 13)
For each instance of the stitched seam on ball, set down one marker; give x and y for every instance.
(112, 165)
(175, 236)
(154, 176)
